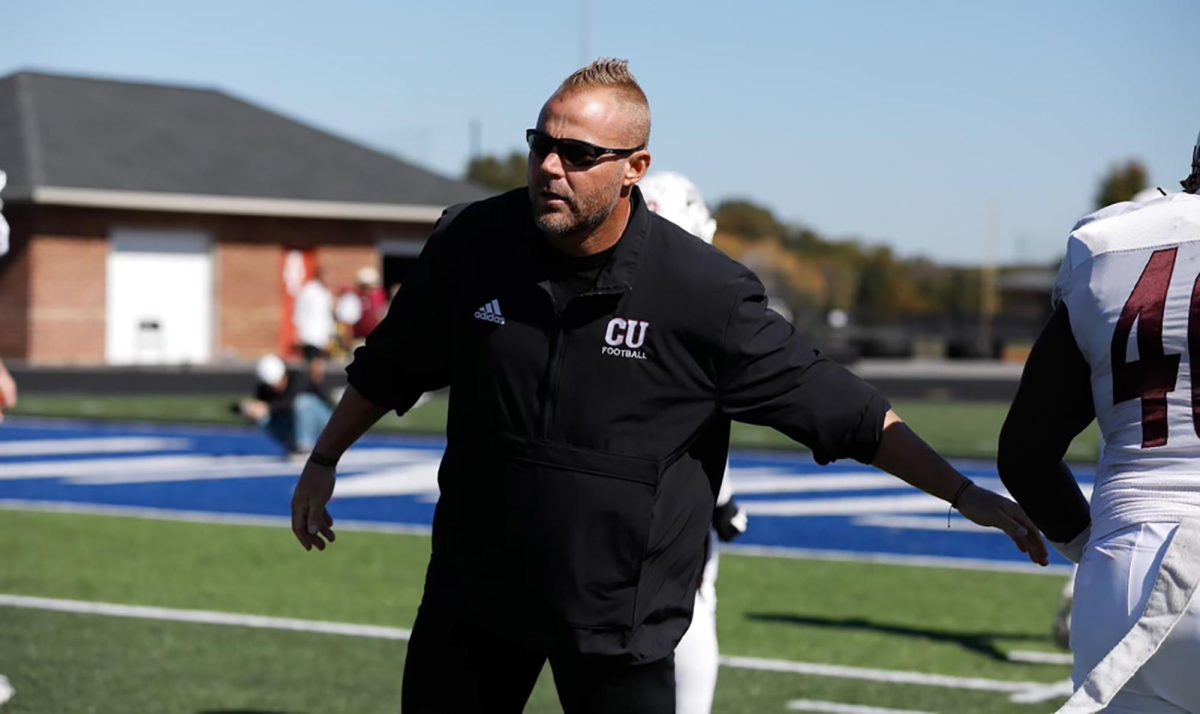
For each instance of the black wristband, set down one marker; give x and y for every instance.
(322, 460)
(967, 483)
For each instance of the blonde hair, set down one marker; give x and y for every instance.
(614, 75)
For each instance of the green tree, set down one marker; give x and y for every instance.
(501, 173)
(1121, 183)
(876, 285)
(748, 220)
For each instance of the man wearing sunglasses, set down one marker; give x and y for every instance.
(596, 355)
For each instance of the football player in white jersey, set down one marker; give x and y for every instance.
(1122, 347)
(677, 199)
(1062, 621)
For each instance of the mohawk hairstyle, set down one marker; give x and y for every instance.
(1191, 184)
(614, 74)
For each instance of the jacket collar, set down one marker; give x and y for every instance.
(618, 275)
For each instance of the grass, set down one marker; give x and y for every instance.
(864, 615)
(957, 429)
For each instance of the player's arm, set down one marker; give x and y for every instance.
(773, 376)
(1052, 406)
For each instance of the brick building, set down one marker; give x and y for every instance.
(160, 224)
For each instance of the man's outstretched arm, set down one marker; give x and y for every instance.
(351, 418)
(773, 376)
(905, 455)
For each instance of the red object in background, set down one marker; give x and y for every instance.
(296, 269)
(374, 307)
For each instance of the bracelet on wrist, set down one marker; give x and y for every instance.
(322, 460)
(962, 488)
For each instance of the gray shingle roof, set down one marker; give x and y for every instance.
(75, 132)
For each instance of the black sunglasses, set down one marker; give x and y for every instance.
(575, 153)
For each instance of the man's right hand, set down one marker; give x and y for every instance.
(729, 521)
(310, 518)
(991, 509)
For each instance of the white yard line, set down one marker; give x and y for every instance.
(104, 445)
(891, 676)
(1054, 690)
(921, 523)
(209, 617)
(206, 617)
(919, 561)
(196, 467)
(907, 503)
(749, 481)
(224, 519)
(1035, 657)
(809, 705)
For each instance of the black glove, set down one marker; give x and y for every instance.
(729, 521)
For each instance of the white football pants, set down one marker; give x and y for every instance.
(696, 657)
(1111, 589)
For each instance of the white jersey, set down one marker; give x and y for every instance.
(313, 315)
(1131, 283)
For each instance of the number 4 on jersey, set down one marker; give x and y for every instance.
(1154, 373)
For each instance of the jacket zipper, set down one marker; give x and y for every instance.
(554, 363)
(553, 374)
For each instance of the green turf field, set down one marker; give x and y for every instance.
(959, 429)
(926, 620)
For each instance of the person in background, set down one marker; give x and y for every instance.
(674, 197)
(290, 407)
(315, 325)
(373, 300)
(347, 311)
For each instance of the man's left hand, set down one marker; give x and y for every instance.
(310, 518)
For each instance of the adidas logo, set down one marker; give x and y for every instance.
(490, 313)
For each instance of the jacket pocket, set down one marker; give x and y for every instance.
(577, 522)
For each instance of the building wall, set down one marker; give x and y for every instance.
(53, 285)
(249, 299)
(67, 299)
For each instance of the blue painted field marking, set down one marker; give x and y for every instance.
(794, 504)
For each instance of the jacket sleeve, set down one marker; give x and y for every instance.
(408, 353)
(772, 376)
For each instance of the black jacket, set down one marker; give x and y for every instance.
(584, 449)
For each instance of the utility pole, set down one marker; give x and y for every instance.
(585, 31)
(475, 140)
(989, 302)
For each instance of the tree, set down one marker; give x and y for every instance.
(1121, 183)
(748, 220)
(876, 286)
(500, 173)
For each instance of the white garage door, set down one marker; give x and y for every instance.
(160, 297)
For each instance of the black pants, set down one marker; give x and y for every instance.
(455, 668)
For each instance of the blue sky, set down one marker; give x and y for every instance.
(898, 123)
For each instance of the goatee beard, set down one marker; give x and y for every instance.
(581, 227)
